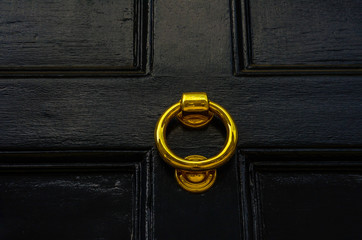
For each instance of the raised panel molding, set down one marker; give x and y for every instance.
(276, 37)
(74, 38)
(74, 195)
(287, 187)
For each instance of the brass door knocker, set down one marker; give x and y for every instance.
(195, 173)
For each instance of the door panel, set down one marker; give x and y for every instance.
(70, 38)
(73, 195)
(302, 194)
(290, 37)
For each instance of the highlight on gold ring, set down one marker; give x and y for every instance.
(195, 173)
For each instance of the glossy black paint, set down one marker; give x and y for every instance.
(74, 38)
(87, 117)
(296, 37)
(181, 215)
(299, 194)
(74, 195)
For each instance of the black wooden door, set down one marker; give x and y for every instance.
(83, 83)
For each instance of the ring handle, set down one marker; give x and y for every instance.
(195, 110)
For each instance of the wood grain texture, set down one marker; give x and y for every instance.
(71, 37)
(192, 48)
(300, 36)
(84, 113)
(89, 113)
(73, 195)
(301, 194)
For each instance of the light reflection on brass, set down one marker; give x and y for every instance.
(195, 173)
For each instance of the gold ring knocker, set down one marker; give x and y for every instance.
(195, 173)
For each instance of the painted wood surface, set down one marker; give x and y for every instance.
(121, 113)
(74, 195)
(290, 37)
(69, 37)
(299, 194)
(88, 118)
